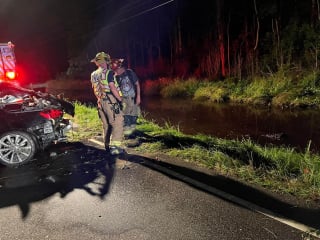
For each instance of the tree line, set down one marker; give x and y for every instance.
(213, 39)
(224, 39)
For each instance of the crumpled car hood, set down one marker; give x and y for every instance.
(14, 94)
(67, 106)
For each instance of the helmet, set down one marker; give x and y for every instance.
(102, 57)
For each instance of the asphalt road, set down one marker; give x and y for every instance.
(76, 191)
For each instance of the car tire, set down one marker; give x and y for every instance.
(16, 148)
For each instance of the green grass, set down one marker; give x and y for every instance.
(276, 168)
(178, 88)
(279, 169)
(86, 121)
(281, 89)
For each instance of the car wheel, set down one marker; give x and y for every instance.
(16, 148)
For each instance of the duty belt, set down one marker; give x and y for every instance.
(107, 97)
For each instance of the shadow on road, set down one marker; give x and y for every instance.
(79, 166)
(60, 169)
(214, 184)
(298, 211)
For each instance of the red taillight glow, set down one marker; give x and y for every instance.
(51, 114)
(11, 75)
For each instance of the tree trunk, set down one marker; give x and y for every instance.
(220, 32)
(228, 46)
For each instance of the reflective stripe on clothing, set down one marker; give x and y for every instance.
(100, 80)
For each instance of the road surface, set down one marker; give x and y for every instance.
(76, 191)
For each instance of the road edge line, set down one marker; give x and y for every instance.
(294, 224)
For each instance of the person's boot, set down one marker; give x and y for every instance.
(114, 150)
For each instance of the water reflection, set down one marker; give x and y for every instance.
(274, 126)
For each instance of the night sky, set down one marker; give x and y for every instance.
(48, 33)
(187, 34)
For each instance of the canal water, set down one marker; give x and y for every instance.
(294, 129)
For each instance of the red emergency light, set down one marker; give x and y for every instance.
(11, 75)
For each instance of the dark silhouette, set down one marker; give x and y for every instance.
(60, 169)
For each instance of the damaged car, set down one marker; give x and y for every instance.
(30, 121)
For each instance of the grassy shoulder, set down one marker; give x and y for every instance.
(278, 169)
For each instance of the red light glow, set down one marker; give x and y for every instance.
(11, 75)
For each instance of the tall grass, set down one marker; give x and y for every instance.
(276, 168)
(178, 88)
(281, 89)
